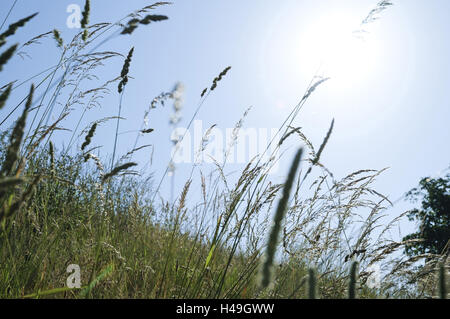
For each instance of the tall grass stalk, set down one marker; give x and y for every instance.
(353, 280)
(267, 267)
(312, 284)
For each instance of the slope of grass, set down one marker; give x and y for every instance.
(71, 219)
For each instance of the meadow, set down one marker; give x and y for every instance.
(312, 236)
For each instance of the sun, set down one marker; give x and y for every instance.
(335, 45)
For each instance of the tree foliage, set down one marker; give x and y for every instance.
(433, 217)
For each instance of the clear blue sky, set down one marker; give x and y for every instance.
(394, 114)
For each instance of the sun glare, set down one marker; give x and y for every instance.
(332, 44)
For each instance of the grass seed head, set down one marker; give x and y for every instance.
(57, 37)
(125, 71)
(4, 96)
(7, 55)
(117, 170)
(13, 28)
(89, 136)
(133, 23)
(219, 78)
(12, 152)
(86, 13)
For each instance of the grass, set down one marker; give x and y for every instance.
(60, 207)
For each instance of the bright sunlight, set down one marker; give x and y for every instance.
(338, 47)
